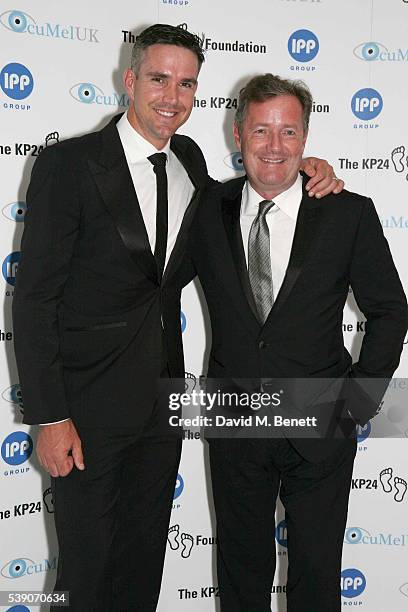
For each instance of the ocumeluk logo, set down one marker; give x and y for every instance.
(89, 93)
(15, 211)
(22, 23)
(16, 81)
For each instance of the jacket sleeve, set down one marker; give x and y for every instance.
(51, 229)
(381, 298)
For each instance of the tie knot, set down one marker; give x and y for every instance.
(265, 206)
(158, 160)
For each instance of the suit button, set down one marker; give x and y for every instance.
(262, 344)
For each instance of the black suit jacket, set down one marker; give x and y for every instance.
(88, 305)
(338, 243)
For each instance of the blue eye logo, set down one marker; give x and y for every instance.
(179, 487)
(303, 45)
(363, 432)
(10, 267)
(281, 534)
(352, 583)
(17, 448)
(15, 211)
(16, 81)
(354, 535)
(369, 51)
(366, 104)
(85, 92)
(16, 568)
(17, 21)
(13, 395)
(234, 161)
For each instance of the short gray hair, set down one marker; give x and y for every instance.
(266, 86)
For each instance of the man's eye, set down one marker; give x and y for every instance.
(157, 79)
(289, 132)
(260, 131)
(186, 84)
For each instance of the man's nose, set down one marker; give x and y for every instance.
(274, 141)
(171, 92)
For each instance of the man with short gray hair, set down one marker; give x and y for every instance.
(276, 267)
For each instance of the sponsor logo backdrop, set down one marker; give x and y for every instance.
(60, 75)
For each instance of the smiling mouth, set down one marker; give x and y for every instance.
(164, 113)
(269, 160)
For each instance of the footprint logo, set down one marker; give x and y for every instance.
(385, 479)
(48, 500)
(401, 488)
(190, 382)
(397, 156)
(398, 159)
(51, 139)
(187, 543)
(172, 537)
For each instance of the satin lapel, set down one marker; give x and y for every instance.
(306, 231)
(114, 182)
(198, 179)
(231, 219)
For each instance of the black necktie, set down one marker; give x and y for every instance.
(159, 166)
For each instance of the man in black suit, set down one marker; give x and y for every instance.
(97, 323)
(276, 267)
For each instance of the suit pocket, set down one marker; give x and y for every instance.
(97, 327)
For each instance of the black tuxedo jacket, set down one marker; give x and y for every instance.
(88, 307)
(338, 243)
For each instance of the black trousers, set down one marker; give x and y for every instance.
(247, 476)
(112, 520)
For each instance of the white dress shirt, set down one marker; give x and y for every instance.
(281, 220)
(180, 188)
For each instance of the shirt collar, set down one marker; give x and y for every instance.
(136, 148)
(288, 201)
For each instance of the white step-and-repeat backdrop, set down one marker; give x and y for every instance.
(61, 68)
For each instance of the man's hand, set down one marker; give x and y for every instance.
(54, 444)
(323, 179)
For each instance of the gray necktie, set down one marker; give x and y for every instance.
(259, 261)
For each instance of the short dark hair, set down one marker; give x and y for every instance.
(266, 86)
(165, 34)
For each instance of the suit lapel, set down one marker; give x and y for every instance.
(180, 148)
(230, 211)
(114, 182)
(306, 231)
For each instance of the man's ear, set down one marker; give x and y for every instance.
(237, 137)
(129, 79)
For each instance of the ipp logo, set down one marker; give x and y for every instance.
(363, 432)
(183, 322)
(281, 534)
(303, 45)
(17, 448)
(234, 161)
(179, 486)
(366, 104)
(15, 211)
(16, 81)
(18, 609)
(352, 583)
(10, 267)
